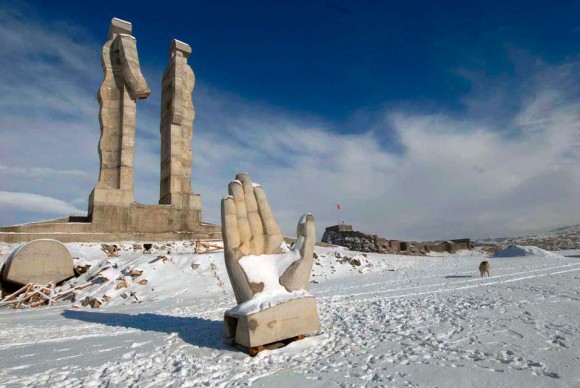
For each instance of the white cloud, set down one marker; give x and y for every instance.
(35, 203)
(40, 171)
(468, 175)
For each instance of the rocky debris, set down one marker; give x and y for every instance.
(92, 302)
(135, 272)
(194, 266)
(81, 269)
(110, 250)
(120, 285)
(37, 262)
(137, 247)
(143, 282)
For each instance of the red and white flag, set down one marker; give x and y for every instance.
(338, 206)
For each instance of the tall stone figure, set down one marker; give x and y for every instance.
(177, 114)
(122, 85)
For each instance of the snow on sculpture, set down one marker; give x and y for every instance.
(268, 278)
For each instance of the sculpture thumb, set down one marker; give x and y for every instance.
(297, 276)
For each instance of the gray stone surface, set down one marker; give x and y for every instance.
(39, 261)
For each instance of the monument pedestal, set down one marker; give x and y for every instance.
(291, 319)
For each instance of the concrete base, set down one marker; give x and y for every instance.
(283, 321)
(109, 223)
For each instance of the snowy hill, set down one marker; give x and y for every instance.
(564, 238)
(385, 321)
(519, 251)
(566, 230)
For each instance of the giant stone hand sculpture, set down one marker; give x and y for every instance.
(268, 278)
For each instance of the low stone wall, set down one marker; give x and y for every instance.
(119, 223)
(109, 237)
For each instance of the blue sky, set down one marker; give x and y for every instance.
(423, 119)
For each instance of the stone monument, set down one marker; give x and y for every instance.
(177, 114)
(268, 278)
(122, 86)
(113, 214)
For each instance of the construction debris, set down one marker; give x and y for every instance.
(110, 250)
(203, 247)
(35, 295)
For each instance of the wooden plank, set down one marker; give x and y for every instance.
(8, 297)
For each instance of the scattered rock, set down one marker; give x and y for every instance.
(110, 250)
(355, 262)
(91, 301)
(136, 272)
(81, 269)
(137, 247)
(94, 303)
(143, 282)
(120, 285)
(194, 266)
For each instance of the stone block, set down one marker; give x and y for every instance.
(40, 262)
(179, 46)
(283, 321)
(119, 26)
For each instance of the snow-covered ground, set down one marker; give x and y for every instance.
(386, 321)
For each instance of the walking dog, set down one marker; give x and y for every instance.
(484, 268)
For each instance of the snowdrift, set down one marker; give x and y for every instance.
(522, 250)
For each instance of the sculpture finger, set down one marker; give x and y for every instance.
(232, 254)
(272, 236)
(230, 233)
(235, 189)
(254, 219)
(297, 275)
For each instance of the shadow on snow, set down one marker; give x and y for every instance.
(458, 276)
(195, 331)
